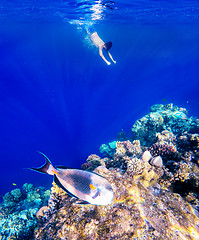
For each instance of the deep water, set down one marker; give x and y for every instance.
(58, 96)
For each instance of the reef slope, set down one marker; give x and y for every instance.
(141, 209)
(155, 183)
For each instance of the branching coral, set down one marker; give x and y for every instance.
(124, 151)
(166, 136)
(134, 165)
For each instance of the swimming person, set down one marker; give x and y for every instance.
(100, 44)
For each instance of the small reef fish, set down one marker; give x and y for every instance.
(14, 184)
(179, 115)
(87, 186)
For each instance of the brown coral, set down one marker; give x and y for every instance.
(93, 161)
(165, 150)
(128, 148)
(41, 211)
(166, 136)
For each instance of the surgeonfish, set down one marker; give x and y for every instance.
(87, 186)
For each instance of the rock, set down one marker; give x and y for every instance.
(146, 156)
(156, 161)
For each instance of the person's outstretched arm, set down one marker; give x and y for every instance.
(111, 57)
(102, 56)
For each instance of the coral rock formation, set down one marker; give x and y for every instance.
(18, 212)
(163, 117)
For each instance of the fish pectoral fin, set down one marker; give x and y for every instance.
(56, 180)
(96, 193)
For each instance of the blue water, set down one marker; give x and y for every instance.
(59, 97)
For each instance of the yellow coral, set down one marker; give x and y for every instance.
(57, 190)
(120, 149)
(160, 120)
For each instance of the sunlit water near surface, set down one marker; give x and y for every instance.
(115, 11)
(57, 95)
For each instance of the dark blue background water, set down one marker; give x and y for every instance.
(58, 96)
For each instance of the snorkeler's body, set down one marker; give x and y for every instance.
(101, 45)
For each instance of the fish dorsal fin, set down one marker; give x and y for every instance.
(56, 180)
(97, 174)
(63, 167)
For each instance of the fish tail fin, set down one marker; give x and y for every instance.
(47, 167)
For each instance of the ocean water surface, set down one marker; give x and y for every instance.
(59, 97)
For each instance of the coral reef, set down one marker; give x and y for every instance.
(163, 117)
(108, 149)
(18, 211)
(155, 179)
(141, 210)
(181, 166)
(125, 154)
(92, 162)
